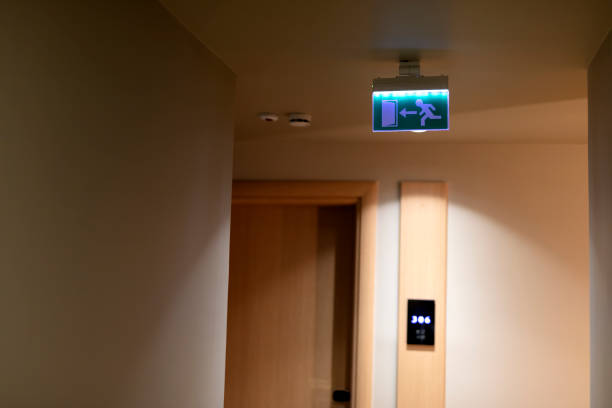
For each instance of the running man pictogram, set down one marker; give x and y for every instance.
(426, 111)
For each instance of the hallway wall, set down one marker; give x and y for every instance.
(600, 190)
(518, 274)
(116, 134)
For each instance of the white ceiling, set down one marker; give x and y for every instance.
(517, 69)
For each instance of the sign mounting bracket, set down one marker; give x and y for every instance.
(409, 68)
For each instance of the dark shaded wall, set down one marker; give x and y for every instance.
(600, 199)
(116, 136)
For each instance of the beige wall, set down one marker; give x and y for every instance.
(600, 189)
(115, 178)
(518, 300)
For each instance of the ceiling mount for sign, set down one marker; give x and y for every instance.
(409, 68)
(410, 102)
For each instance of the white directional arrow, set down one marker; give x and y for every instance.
(404, 112)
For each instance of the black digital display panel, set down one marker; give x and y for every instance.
(421, 322)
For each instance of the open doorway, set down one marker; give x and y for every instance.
(300, 295)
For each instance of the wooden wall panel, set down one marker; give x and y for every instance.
(422, 275)
(271, 309)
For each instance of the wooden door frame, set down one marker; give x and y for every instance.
(363, 194)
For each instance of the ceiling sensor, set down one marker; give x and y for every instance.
(300, 119)
(268, 117)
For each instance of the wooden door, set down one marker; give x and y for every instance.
(290, 314)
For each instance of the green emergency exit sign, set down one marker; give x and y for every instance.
(421, 110)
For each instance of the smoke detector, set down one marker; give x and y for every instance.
(300, 119)
(268, 117)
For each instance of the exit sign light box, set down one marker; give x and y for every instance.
(410, 103)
